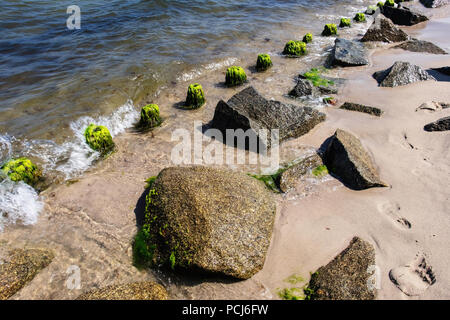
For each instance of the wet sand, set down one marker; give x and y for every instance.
(91, 222)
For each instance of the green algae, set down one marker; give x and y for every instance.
(307, 38)
(99, 139)
(329, 29)
(345, 22)
(195, 97)
(320, 171)
(22, 169)
(150, 116)
(263, 62)
(380, 4)
(295, 48)
(360, 17)
(235, 76)
(390, 3)
(314, 76)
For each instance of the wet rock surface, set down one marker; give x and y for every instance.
(361, 108)
(346, 277)
(384, 30)
(290, 177)
(346, 157)
(415, 45)
(400, 74)
(249, 110)
(348, 53)
(402, 16)
(131, 291)
(442, 124)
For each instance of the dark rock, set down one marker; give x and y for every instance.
(347, 276)
(346, 157)
(434, 3)
(19, 267)
(440, 125)
(361, 108)
(249, 110)
(400, 74)
(131, 291)
(384, 30)
(402, 16)
(306, 87)
(303, 88)
(289, 178)
(415, 45)
(349, 53)
(443, 70)
(211, 220)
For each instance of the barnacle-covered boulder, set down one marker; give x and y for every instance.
(235, 76)
(99, 139)
(195, 97)
(295, 48)
(150, 116)
(263, 62)
(329, 29)
(22, 169)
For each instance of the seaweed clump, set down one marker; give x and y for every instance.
(329, 29)
(390, 3)
(295, 48)
(195, 96)
(235, 76)
(22, 169)
(345, 22)
(150, 116)
(317, 80)
(307, 38)
(99, 139)
(263, 62)
(360, 17)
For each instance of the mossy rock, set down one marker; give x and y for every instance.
(150, 116)
(131, 291)
(235, 76)
(295, 48)
(307, 38)
(195, 218)
(195, 97)
(360, 17)
(263, 62)
(329, 30)
(99, 139)
(390, 3)
(22, 169)
(345, 22)
(380, 4)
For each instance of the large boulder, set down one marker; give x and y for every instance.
(415, 45)
(434, 3)
(384, 30)
(210, 220)
(402, 16)
(349, 53)
(346, 157)
(439, 125)
(347, 277)
(248, 110)
(400, 74)
(20, 266)
(131, 291)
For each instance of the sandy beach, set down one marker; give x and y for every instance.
(90, 222)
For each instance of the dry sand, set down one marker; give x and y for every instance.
(91, 222)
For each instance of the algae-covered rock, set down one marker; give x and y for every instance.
(314, 83)
(22, 169)
(99, 139)
(347, 277)
(371, 10)
(295, 48)
(346, 157)
(19, 267)
(235, 76)
(208, 219)
(195, 97)
(361, 108)
(345, 22)
(384, 30)
(263, 62)
(150, 116)
(131, 291)
(380, 4)
(360, 17)
(307, 38)
(400, 74)
(329, 29)
(389, 3)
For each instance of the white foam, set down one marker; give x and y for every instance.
(197, 72)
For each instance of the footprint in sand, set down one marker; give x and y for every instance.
(392, 210)
(413, 279)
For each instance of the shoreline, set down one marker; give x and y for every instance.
(106, 223)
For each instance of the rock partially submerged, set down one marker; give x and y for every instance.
(400, 74)
(415, 45)
(19, 267)
(402, 16)
(289, 178)
(346, 157)
(313, 83)
(349, 53)
(433, 106)
(361, 108)
(347, 276)
(384, 30)
(248, 110)
(434, 3)
(132, 291)
(22, 169)
(439, 125)
(210, 220)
